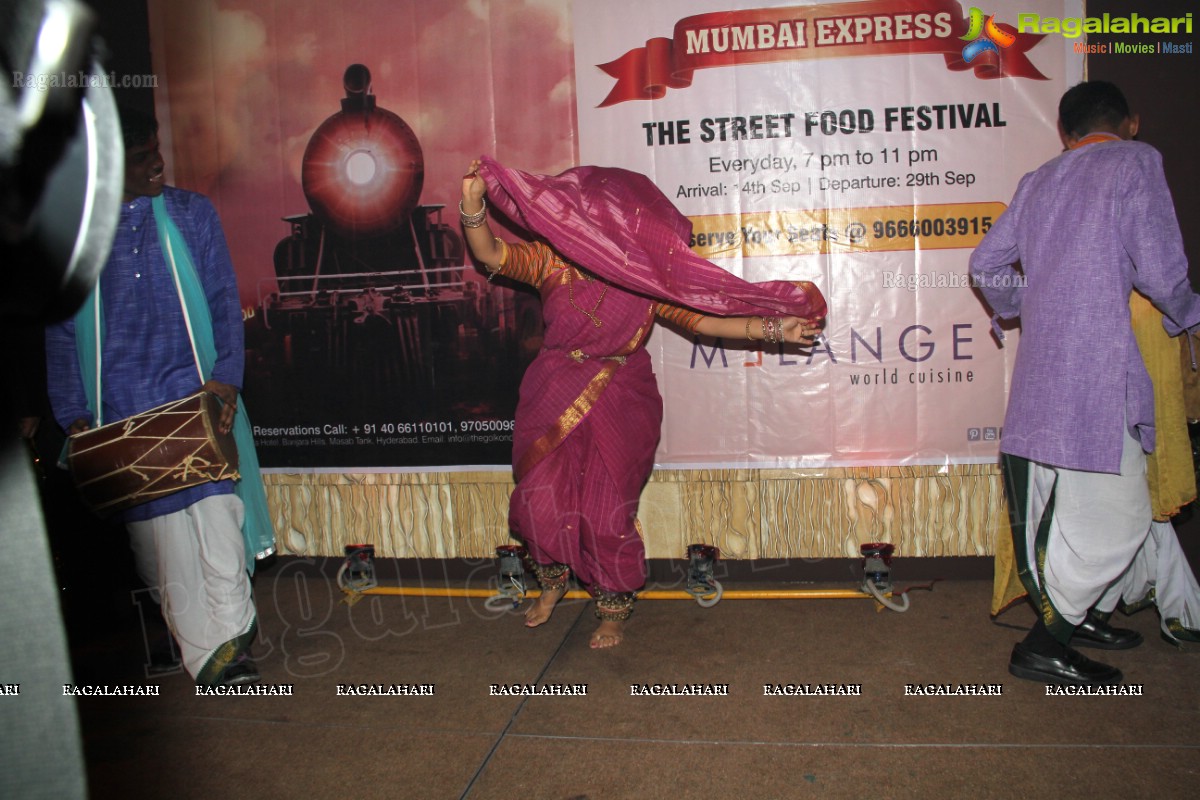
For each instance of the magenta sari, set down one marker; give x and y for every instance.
(589, 416)
(587, 426)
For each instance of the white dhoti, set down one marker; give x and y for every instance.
(1160, 575)
(1079, 534)
(194, 561)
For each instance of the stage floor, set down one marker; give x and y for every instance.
(888, 730)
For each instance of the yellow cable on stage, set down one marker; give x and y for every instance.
(357, 580)
(650, 594)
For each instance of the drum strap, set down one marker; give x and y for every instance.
(257, 528)
(187, 317)
(196, 314)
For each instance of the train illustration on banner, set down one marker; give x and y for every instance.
(371, 286)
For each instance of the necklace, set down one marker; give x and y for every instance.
(571, 297)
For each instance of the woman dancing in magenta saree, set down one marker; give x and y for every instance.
(589, 414)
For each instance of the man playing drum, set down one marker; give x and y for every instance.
(165, 322)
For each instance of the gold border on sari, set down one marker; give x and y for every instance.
(579, 408)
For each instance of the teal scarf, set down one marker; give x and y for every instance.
(257, 531)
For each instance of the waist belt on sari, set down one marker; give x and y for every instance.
(579, 357)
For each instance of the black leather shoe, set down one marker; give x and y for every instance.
(240, 672)
(1071, 669)
(1093, 632)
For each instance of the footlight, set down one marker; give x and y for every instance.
(877, 565)
(357, 573)
(701, 583)
(877, 573)
(512, 566)
(510, 591)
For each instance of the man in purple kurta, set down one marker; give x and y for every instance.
(1087, 228)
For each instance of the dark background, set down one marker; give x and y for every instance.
(1163, 89)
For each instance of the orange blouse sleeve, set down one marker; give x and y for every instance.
(683, 317)
(533, 262)
(527, 262)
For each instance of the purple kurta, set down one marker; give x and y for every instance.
(1086, 227)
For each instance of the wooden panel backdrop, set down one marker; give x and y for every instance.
(954, 510)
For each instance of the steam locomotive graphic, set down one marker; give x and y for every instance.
(373, 302)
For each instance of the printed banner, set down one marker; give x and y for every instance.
(865, 146)
(828, 31)
(333, 140)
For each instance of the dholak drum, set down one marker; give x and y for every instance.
(152, 454)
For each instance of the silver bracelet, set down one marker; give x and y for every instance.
(473, 220)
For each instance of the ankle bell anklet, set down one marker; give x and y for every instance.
(551, 576)
(614, 606)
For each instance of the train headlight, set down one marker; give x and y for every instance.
(360, 167)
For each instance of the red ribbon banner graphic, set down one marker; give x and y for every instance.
(796, 33)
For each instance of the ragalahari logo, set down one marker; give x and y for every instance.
(984, 37)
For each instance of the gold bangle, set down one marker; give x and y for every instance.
(749, 338)
(488, 267)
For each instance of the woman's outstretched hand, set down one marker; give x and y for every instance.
(800, 330)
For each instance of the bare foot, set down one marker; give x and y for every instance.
(608, 634)
(543, 606)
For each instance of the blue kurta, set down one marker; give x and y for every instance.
(1086, 227)
(147, 359)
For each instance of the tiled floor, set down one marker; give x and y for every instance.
(463, 742)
